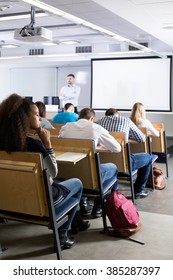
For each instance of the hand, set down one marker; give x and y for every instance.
(44, 135)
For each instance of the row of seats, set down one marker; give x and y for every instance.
(153, 144)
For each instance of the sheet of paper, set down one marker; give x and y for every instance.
(70, 156)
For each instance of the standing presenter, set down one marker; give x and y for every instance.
(70, 93)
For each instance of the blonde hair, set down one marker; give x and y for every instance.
(138, 112)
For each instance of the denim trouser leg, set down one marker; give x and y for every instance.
(143, 163)
(109, 170)
(75, 186)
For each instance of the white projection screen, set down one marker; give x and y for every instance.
(121, 82)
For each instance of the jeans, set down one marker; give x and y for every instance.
(143, 163)
(109, 170)
(75, 187)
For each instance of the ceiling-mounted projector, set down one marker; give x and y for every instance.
(33, 34)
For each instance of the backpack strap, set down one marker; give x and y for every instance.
(115, 233)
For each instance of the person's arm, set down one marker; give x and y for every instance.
(74, 94)
(50, 160)
(151, 129)
(106, 140)
(62, 95)
(135, 133)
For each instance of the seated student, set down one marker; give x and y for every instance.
(138, 116)
(114, 121)
(67, 115)
(140, 161)
(19, 116)
(85, 128)
(42, 112)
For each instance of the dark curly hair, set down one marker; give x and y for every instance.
(14, 123)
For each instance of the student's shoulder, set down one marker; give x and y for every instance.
(34, 145)
(98, 127)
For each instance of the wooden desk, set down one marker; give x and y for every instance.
(69, 157)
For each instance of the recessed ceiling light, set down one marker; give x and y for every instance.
(49, 44)
(167, 26)
(70, 42)
(9, 46)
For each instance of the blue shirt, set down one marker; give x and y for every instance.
(64, 117)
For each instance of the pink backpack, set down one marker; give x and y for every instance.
(122, 214)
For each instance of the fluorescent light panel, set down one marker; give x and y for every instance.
(9, 46)
(46, 7)
(70, 42)
(21, 16)
(10, 57)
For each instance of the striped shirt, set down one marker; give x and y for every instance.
(122, 124)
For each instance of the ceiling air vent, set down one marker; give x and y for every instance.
(84, 49)
(36, 51)
(145, 44)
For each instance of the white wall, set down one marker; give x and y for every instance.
(5, 83)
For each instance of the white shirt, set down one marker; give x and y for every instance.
(151, 129)
(70, 94)
(84, 129)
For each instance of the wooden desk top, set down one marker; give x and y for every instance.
(69, 157)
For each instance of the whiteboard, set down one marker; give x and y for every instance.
(35, 82)
(121, 82)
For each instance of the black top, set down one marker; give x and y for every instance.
(59, 191)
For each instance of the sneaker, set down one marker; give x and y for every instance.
(141, 194)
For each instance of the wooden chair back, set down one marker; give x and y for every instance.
(158, 143)
(26, 194)
(141, 147)
(57, 125)
(22, 185)
(120, 159)
(85, 168)
(55, 132)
